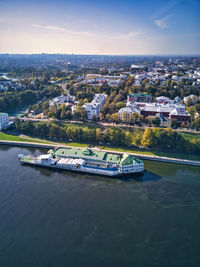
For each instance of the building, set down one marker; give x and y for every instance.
(163, 100)
(125, 114)
(93, 76)
(167, 111)
(180, 114)
(139, 98)
(164, 111)
(4, 121)
(95, 106)
(63, 99)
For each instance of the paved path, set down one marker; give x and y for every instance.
(105, 124)
(141, 156)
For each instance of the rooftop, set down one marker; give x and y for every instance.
(138, 94)
(88, 153)
(97, 155)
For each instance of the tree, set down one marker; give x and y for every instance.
(101, 116)
(191, 111)
(119, 105)
(63, 114)
(134, 117)
(156, 121)
(183, 125)
(128, 138)
(197, 108)
(174, 123)
(54, 131)
(114, 117)
(147, 138)
(189, 102)
(117, 136)
(108, 117)
(197, 123)
(68, 114)
(98, 135)
(168, 83)
(138, 139)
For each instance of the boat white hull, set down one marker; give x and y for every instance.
(79, 169)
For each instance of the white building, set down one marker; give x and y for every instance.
(4, 121)
(125, 114)
(95, 106)
(163, 100)
(2, 87)
(63, 99)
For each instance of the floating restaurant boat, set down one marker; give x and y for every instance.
(86, 160)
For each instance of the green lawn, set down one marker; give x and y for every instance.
(83, 125)
(10, 137)
(153, 153)
(190, 137)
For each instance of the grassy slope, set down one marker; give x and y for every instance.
(10, 137)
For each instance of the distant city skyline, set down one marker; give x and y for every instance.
(109, 28)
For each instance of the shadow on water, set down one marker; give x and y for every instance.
(35, 151)
(128, 178)
(146, 176)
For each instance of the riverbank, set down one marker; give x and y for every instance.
(141, 156)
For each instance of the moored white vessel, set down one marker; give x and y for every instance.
(86, 160)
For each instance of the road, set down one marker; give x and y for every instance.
(105, 124)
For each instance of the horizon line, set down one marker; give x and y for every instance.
(74, 54)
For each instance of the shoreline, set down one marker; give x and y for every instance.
(140, 156)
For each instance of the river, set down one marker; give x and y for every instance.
(59, 218)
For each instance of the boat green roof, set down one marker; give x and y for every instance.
(129, 160)
(97, 155)
(88, 153)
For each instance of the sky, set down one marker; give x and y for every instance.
(116, 27)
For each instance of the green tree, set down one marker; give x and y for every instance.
(174, 123)
(197, 108)
(156, 121)
(119, 105)
(147, 138)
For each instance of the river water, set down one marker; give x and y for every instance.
(58, 218)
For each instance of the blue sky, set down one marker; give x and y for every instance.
(100, 27)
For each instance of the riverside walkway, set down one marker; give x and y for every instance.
(140, 156)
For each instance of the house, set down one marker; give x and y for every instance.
(4, 121)
(168, 111)
(163, 100)
(63, 99)
(125, 114)
(139, 97)
(95, 106)
(93, 76)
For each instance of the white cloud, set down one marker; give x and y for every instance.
(166, 8)
(61, 29)
(125, 36)
(52, 28)
(118, 36)
(163, 22)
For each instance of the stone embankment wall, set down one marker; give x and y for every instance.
(140, 156)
